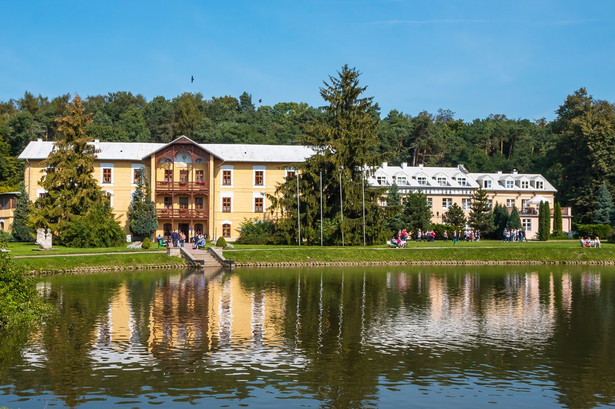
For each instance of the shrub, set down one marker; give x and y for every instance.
(439, 229)
(593, 230)
(19, 299)
(98, 228)
(5, 237)
(254, 231)
(146, 243)
(221, 242)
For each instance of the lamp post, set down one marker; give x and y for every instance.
(298, 210)
(341, 207)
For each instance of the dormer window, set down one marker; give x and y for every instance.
(539, 184)
(487, 183)
(510, 184)
(421, 180)
(381, 180)
(462, 181)
(525, 184)
(441, 181)
(401, 180)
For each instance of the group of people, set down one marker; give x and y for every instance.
(178, 239)
(587, 242)
(401, 237)
(513, 235)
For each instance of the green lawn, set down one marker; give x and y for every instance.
(485, 250)
(29, 249)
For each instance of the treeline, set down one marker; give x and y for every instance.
(574, 152)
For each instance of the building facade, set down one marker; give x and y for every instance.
(214, 188)
(208, 188)
(445, 186)
(8, 203)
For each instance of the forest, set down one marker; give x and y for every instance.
(575, 151)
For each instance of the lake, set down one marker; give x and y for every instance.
(386, 337)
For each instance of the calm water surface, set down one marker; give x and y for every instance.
(426, 337)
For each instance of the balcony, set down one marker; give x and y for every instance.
(182, 213)
(181, 187)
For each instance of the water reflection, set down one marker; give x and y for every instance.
(322, 337)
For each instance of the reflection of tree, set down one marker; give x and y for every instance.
(69, 334)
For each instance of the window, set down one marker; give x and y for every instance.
(226, 204)
(510, 184)
(466, 204)
(527, 224)
(510, 202)
(441, 181)
(167, 229)
(490, 203)
(168, 202)
(108, 196)
(487, 183)
(183, 203)
(421, 180)
(447, 202)
(259, 178)
(226, 178)
(290, 174)
(199, 176)
(198, 203)
(381, 180)
(462, 181)
(1, 225)
(136, 175)
(524, 203)
(198, 228)
(42, 195)
(401, 180)
(539, 184)
(106, 176)
(258, 205)
(226, 230)
(168, 175)
(430, 202)
(525, 184)
(183, 176)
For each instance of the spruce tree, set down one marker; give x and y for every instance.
(395, 220)
(500, 220)
(455, 217)
(346, 151)
(514, 220)
(417, 212)
(604, 206)
(72, 191)
(21, 230)
(544, 221)
(557, 220)
(481, 216)
(142, 217)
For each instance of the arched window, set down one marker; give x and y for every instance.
(183, 157)
(226, 230)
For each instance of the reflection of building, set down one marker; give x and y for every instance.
(455, 185)
(8, 203)
(208, 188)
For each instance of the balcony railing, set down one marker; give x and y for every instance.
(182, 213)
(162, 186)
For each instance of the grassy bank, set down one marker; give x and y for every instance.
(66, 258)
(484, 251)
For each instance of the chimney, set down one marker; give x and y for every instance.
(385, 165)
(39, 140)
(420, 165)
(404, 165)
(514, 171)
(499, 172)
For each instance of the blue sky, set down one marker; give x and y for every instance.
(518, 58)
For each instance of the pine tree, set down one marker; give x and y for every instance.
(21, 230)
(481, 216)
(455, 217)
(417, 212)
(604, 206)
(514, 220)
(557, 220)
(72, 191)
(345, 142)
(142, 210)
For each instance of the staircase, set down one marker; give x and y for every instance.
(203, 258)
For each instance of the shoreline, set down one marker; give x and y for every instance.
(422, 263)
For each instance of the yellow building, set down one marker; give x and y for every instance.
(209, 188)
(8, 203)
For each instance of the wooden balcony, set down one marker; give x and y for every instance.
(182, 187)
(182, 213)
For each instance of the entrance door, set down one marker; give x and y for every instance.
(184, 228)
